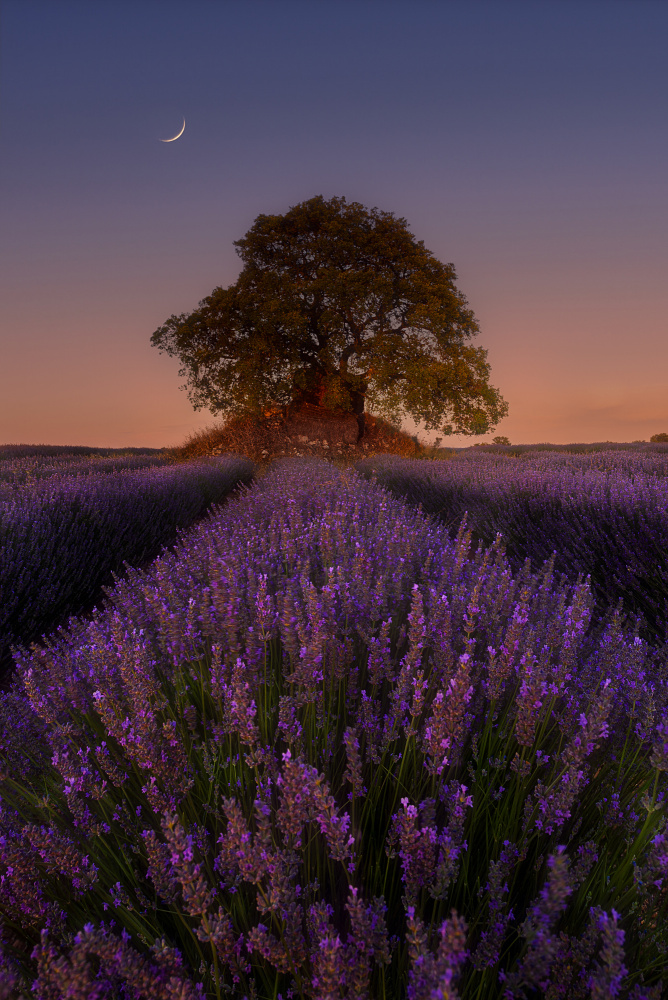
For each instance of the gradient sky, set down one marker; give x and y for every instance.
(526, 142)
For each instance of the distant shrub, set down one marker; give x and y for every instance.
(500, 439)
(659, 438)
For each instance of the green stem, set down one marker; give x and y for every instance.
(214, 950)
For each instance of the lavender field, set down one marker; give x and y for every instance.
(329, 747)
(15, 472)
(68, 524)
(602, 514)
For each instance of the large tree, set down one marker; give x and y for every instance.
(341, 306)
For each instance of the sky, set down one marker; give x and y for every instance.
(525, 141)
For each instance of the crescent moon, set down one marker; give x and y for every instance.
(177, 134)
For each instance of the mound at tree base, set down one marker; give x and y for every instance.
(310, 430)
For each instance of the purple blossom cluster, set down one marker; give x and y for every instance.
(323, 750)
(601, 515)
(63, 538)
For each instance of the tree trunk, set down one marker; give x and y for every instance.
(313, 395)
(357, 399)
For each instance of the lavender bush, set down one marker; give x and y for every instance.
(61, 539)
(321, 750)
(605, 515)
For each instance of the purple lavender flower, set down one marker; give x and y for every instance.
(606, 981)
(445, 729)
(304, 797)
(366, 944)
(328, 955)
(488, 950)
(659, 757)
(197, 894)
(70, 973)
(433, 976)
(532, 691)
(538, 928)
(353, 772)
(240, 708)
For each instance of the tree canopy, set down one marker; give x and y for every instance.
(341, 306)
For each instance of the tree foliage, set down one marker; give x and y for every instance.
(341, 306)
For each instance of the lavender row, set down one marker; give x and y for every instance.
(608, 523)
(14, 451)
(61, 542)
(627, 461)
(32, 470)
(597, 448)
(322, 750)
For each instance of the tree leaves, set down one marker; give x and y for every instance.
(341, 306)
